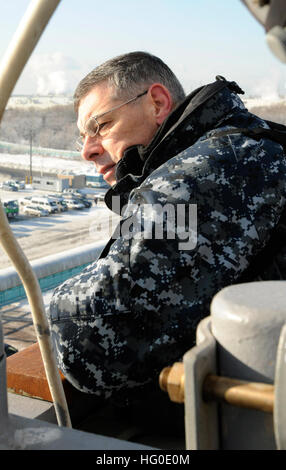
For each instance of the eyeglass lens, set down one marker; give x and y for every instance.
(92, 127)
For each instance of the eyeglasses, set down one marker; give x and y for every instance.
(93, 127)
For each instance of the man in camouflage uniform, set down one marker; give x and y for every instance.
(135, 310)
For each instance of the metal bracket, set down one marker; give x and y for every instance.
(279, 414)
(201, 418)
(3, 386)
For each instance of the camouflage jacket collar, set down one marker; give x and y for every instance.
(204, 109)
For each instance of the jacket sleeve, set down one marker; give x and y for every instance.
(128, 315)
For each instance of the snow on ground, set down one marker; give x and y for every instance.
(43, 236)
(47, 164)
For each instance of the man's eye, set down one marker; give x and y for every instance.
(102, 126)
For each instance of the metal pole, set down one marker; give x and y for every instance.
(22, 45)
(18, 53)
(3, 386)
(31, 147)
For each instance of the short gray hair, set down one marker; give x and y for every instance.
(130, 74)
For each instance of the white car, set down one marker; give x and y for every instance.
(25, 200)
(72, 204)
(18, 184)
(35, 210)
(60, 202)
(72, 192)
(99, 197)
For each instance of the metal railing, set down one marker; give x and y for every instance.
(21, 47)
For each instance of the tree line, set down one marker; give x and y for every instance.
(52, 127)
(55, 126)
(272, 112)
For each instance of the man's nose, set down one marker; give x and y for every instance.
(91, 147)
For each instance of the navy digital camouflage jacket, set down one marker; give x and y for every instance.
(216, 200)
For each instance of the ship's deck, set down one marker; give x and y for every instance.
(17, 323)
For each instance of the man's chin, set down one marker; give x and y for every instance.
(109, 176)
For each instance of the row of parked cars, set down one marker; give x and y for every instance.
(40, 205)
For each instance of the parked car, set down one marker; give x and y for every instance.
(72, 191)
(25, 200)
(62, 205)
(45, 203)
(35, 210)
(99, 197)
(9, 187)
(55, 196)
(20, 184)
(17, 183)
(79, 197)
(70, 196)
(11, 208)
(84, 201)
(74, 204)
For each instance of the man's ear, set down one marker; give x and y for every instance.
(162, 101)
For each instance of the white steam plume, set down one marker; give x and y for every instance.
(54, 73)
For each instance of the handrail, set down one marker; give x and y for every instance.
(21, 47)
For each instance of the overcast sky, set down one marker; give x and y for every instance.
(198, 39)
